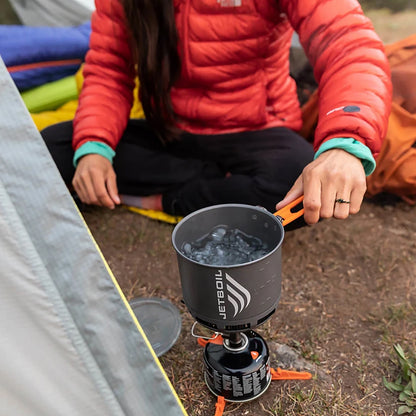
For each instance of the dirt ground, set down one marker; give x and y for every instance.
(348, 294)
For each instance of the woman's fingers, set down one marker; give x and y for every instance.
(95, 181)
(312, 201)
(295, 192)
(333, 186)
(342, 206)
(111, 185)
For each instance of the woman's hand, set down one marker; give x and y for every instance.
(333, 185)
(95, 181)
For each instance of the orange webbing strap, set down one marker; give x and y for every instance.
(279, 374)
(202, 342)
(220, 406)
(216, 339)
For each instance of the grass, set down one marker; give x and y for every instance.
(405, 383)
(317, 401)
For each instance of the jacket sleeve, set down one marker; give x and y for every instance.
(350, 67)
(107, 93)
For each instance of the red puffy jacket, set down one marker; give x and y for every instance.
(235, 70)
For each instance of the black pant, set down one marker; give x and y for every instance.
(252, 167)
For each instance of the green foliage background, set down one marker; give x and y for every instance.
(393, 5)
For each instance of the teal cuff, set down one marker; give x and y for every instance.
(354, 147)
(98, 148)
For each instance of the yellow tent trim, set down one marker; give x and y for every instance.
(133, 316)
(155, 215)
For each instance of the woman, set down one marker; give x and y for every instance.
(221, 109)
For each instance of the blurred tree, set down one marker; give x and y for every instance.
(393, 5)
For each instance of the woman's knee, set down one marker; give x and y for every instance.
(58, 140)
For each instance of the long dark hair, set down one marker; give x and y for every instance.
(154, 41)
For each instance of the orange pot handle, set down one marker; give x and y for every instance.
(286, 213)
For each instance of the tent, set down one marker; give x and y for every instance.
(70, 344)
(53, 12)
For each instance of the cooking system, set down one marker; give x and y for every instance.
(233, 299)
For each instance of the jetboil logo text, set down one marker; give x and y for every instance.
(230, 290)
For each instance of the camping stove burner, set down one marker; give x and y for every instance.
(236, 341)
(238, 373)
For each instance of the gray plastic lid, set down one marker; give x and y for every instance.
(160, 320)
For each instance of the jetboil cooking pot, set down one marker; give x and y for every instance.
(236, 297)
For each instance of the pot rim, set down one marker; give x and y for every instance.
(257, 208)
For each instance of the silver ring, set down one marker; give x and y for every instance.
(342, 201)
